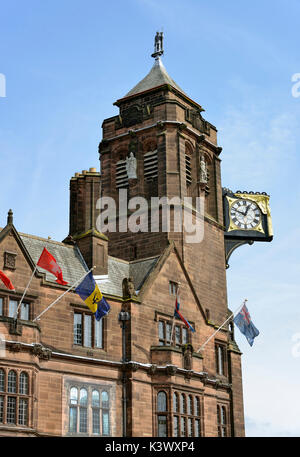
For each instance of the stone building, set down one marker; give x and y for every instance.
(69, 375)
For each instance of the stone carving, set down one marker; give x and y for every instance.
(152, 370)
(171, 370)
(197, 121)
(128, 288)
(203, 171)
(187, 356)
(131, 166)
(158, 45)
(10, 260)
(41, 351)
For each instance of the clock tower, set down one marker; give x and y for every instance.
(175, 155)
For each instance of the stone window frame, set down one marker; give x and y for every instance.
(159, 414)
(221, 358)
(223, 420)
(189, 410)
(192, 416)
(22, 415)
(4, 310)
(173, 287)
(93, 346)
(90, 408)
(166, 323)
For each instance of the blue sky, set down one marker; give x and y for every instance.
(66, 62)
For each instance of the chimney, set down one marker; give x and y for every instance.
(85, 191)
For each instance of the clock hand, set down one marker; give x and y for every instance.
(247, 210)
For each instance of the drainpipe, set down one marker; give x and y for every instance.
(124, 316)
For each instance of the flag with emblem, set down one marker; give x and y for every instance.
(90, 293)
(243, 321)
(49, 263)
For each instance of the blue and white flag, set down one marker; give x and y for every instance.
(243, 321)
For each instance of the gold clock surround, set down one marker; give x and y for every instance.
(231, 201)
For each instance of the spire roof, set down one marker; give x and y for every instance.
(157, 76)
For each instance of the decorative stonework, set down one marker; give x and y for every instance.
(132, 366)
(128, 288)
(133, 114)
(171, 370)
(197, 121)
(187, 351)
(152, 370)
(10, 260)
(41, 351)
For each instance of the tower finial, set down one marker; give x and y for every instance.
(158, 45)
(10, 217)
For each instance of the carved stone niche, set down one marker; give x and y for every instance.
(187, 351)
(10, 260)
(42, 352)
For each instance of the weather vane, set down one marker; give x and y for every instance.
(158, 45)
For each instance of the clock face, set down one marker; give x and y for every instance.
(245, 214)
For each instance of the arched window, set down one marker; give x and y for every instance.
(12, 382)
(222, 421)
(197, 406)
(96, 412)
(2, 380)
(83, 401)
(162, 414)
(105, 413)
(187, 415)
(23, 383)
(175, 403)
(190, 405)
(14, 397)
(89, 411)
(2, 389)
(182, 404)
(73, 409)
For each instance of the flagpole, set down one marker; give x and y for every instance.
(238, 309)
(172, 331)
(19, 305)
(55, 301)
(173, 322)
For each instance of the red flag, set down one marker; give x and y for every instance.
(48, 262)
(6, 281)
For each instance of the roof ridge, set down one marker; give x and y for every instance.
(35, 237)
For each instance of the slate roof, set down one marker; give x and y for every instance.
(156, 77)
(68, 257)
(119, 269)
(73, 265)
